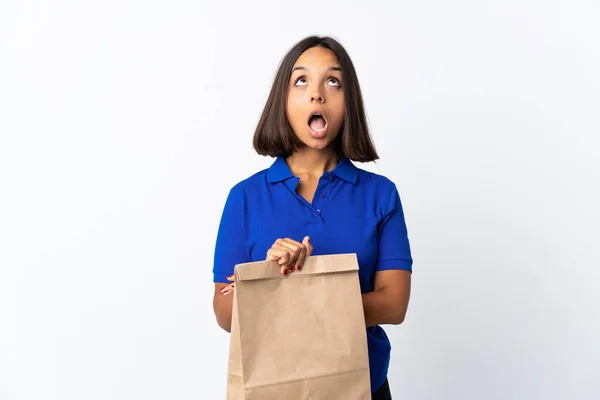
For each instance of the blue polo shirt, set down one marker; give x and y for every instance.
(353, 211)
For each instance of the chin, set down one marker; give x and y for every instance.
(317, 144)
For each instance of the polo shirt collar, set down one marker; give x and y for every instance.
(346, 170)
(279, 171)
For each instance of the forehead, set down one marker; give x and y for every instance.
(317, 58)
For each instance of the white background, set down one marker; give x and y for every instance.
(124, 124)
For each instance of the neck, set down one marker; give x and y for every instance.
(312, 162)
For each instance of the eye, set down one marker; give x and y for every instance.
(301, 81)
(335, 82)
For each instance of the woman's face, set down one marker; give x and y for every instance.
(316, 87)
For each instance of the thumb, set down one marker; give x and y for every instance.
(308, 244)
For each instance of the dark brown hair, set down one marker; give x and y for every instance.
(274, 135)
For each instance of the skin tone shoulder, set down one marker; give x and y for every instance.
(315, 111)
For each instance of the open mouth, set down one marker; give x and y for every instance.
(317, 123)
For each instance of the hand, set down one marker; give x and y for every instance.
(290, 254)
(229, 288)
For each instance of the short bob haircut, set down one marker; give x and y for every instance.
(274, 136)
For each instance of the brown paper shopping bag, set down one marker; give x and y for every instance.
(300, 336)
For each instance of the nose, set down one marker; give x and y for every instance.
(317, 96)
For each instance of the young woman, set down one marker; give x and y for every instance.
(313, 200)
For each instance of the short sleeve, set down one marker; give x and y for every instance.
(394, 246)
(230, 247)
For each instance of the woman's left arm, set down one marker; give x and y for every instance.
(388, 302)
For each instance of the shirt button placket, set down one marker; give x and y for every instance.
(323, 195)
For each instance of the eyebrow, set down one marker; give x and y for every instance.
(306, 69)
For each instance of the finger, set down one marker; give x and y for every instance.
(271, 255)
(289, 243)
(284, 257)
(306, 253)
(292, 246)
(281, 256)
(299, 251)
(309, 247)
(284, 250)
(230, 278)
(295, 248)
(276, 252)
(283, 262)
(301, 258)
(227, 289)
